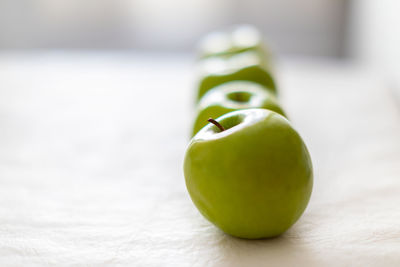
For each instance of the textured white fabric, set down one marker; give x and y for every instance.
(91, 150)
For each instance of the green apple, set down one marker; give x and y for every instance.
(250, 174)
(236, 40)
(245, 66)
(233, 96)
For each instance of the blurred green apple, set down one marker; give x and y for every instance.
(251, 176)
(233, 96)
(238, 39)
(245, 66)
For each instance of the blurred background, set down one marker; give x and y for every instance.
(364, 30)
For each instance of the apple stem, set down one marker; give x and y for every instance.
(216, 123)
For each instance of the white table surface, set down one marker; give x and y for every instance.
(91, 150)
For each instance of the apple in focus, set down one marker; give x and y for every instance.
(250, 173)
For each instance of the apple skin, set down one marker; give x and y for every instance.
(254, 179)
(245, 66)
(221, 100)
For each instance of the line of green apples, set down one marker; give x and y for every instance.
(246, 168)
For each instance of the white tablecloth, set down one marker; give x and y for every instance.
(91, 150)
